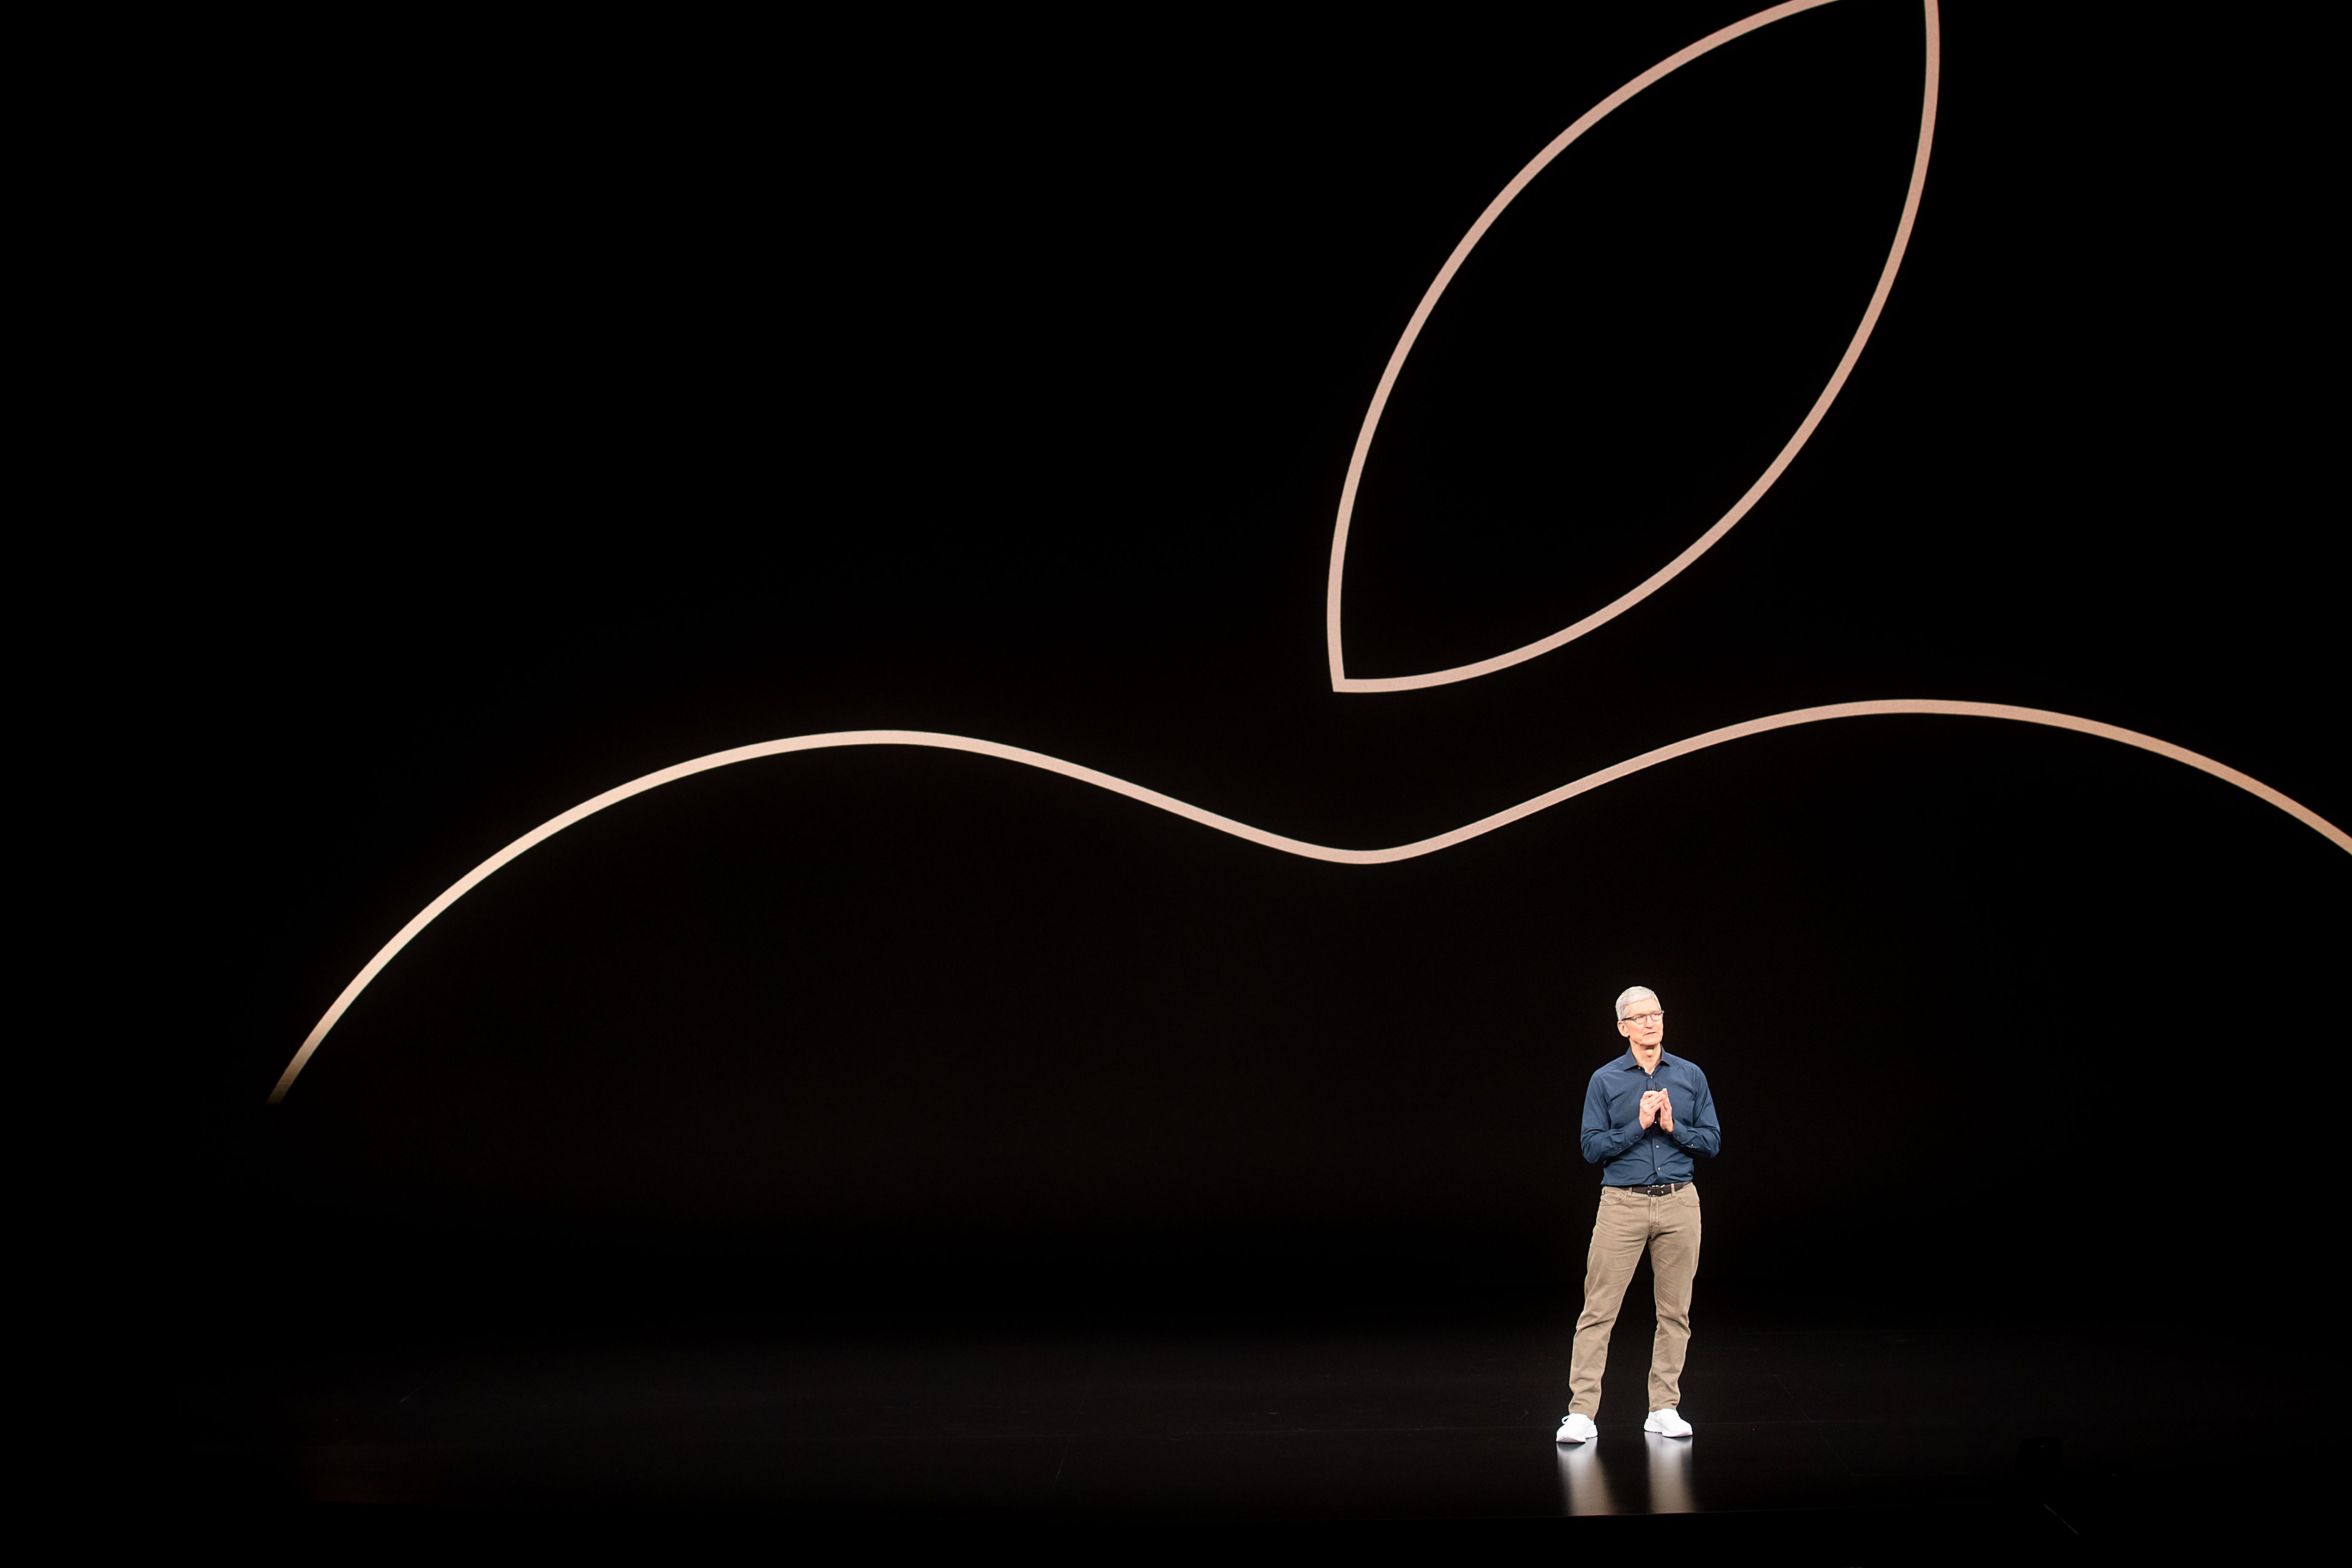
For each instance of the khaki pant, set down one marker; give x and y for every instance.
(1627, 1223)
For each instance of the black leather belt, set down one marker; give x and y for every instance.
(1659, 1190)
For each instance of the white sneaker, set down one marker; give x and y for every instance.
(1666, 1423)
(1579, 1429)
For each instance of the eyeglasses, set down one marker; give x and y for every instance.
(1643, 1020)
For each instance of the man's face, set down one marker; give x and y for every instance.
(1645, 1023)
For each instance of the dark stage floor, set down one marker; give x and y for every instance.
(1873, 1434)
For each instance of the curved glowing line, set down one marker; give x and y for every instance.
(1340, 679)
(1299, 847)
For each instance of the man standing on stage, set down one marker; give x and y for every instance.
(1645, 1114)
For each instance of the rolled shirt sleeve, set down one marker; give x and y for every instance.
(1697, 1131)
(1604, 1140)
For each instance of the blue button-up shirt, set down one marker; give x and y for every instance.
(1614, 1137)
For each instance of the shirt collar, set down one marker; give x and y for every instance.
(1626, 1063)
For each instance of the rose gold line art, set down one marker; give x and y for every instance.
(1299, 846)
(1340, 679)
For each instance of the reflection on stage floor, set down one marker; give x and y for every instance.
(2042, 1436)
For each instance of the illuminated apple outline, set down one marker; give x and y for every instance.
(1484, 824)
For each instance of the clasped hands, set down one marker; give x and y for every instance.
(1657, 1107)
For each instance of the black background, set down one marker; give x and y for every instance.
(538, 412)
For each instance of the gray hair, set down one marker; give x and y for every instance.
(1631, 994)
